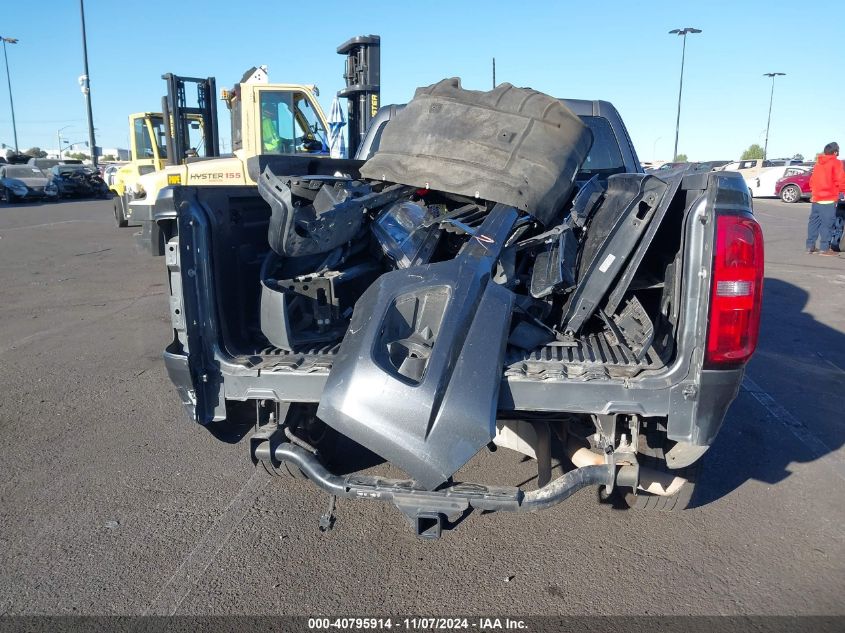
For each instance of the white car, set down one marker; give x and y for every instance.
(108, 173)
(762, 184)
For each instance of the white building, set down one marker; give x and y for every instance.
(119, 153)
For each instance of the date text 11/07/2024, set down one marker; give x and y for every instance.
(480, 624)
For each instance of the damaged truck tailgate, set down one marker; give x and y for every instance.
(499, 273)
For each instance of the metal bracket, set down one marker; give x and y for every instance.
(629, 475)
(263, 443)
(606, 426)
(625, 456)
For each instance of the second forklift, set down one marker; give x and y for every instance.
(170, 137)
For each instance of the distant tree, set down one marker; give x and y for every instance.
(109, 158)
(798, 157)
(753, 151)
(681, 158)
(36, 152)
(76, 155)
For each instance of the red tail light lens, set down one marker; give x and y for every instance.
(736, 292)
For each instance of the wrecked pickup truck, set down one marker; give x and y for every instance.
(499, 273)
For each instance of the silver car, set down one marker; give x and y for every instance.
(25, 182)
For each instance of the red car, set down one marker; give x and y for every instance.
(797, 187)
(794, 188)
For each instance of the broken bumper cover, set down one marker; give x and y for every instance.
(415, 501)
(418, 373)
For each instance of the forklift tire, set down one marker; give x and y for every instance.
(119, 215)
(652, 447)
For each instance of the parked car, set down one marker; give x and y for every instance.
(794, 188)
(797, 187)
(47, 164)
(688, 167)
(433, 301)
(666, 167)
(108, 172)
(24, 182)
(764, 184)
(715, 164)
(78, 180)
(753, 166)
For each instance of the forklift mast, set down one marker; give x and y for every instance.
(178, 116)
(363, 85)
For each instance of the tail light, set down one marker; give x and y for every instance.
(736, 292)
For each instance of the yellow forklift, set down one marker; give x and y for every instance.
(157, 139)
(146, 151)
(267, 120)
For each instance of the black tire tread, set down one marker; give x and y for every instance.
(119, 215)
(651, 449)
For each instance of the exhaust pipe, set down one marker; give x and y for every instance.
(652, 481)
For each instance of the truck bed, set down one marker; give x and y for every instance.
(589, 357)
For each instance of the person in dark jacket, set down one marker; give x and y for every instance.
(827, 182)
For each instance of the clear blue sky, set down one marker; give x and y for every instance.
(618, 51)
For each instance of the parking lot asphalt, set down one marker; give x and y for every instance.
(112, 502)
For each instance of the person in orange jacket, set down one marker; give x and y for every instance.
(826, 183)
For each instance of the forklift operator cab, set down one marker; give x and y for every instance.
(289, 124)
(149, 138)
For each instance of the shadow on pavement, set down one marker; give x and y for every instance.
(798, 365)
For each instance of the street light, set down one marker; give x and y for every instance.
(85, 85)
(10, 40)
(59, 138)
(683, 32)
(72, 145)
(769, 122)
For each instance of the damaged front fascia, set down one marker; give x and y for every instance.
(417, 376)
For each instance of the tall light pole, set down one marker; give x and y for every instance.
(10, 40)
(85, 84)
(769, 122)
(682, 32)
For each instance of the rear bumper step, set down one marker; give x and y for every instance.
(429, 508)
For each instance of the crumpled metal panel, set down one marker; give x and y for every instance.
(510, 145)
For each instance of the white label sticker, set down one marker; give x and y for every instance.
(606, 263)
